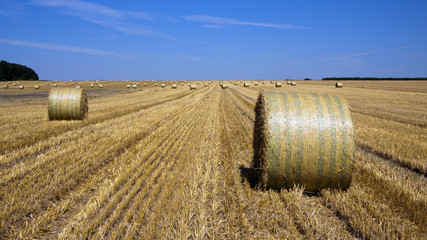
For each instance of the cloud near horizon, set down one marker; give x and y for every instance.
(119, 20)
(361, 54)
(59, 47)
(217, 22)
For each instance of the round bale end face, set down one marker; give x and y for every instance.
(303, 139)
(67, 104)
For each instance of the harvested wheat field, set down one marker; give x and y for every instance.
(157, 163)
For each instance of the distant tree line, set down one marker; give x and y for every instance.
(13, 72)
(372, 78)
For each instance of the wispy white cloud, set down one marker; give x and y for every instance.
(217, 22)
(60, 47)
(119, 20)
(6, 12)
(361, 54)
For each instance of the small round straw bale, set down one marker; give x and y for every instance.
(91, 85)
(192, 87)
(224, 86)
(163, 85)
(338, 85)
(256, 84)
(134, 86)
(6, 86)
(55, 85)
(48, 83)
(67, 104)
(174, 86)
(246, 85)
(205, 84)
(278, 84)
(303, 139)
(100, 85)
(21, 87)
(78, 86)
(293, 84)
(288, 82)
(145, 84)
(14, 84)
(128, 86)
(36, 87)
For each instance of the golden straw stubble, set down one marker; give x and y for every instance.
(303, 139)
(67, 104)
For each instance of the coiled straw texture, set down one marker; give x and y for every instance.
(303, 139)
(67, 104)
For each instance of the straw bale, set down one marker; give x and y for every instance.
(47, 83)
(288, 82)
(246, 85)
(338, 85)
(303, 139)
(91, 85)
(21, 87)
(14, 84)
(205, 84)
(78, 87)
(174, 86)
(128, 86)
(55, 85)
(100, 85)
(134, 86)
(67, 104)
(6, 86)
(163, 85)
(192, 87)
(224, 86)
(293, 84)
(36, 87)
(278, 84)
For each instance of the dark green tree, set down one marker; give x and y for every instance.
(13, 72)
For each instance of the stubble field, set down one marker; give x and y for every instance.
(163, 163)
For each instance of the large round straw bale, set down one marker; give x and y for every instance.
(338, 85)
(246, 85)
(293, 84)
(21, 87)
(91, 85)
(224, 86)
(145, 84)
(47, 83)
(100, 85)
(256, 84)
(6, 86)
(134, 86)
(174, 86)
(205, 84)
(278, 84)
(192, 87)
(67, 104)
(14, 84)
(36, 87)
(163, 85)
(303, 139)
(55, 85)
(288, 82)
(128, 86)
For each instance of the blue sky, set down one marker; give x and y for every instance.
(195, 39)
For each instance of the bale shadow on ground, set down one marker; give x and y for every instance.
(250, 175)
